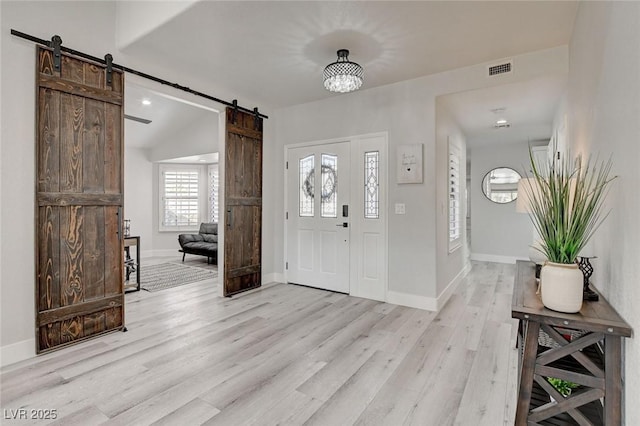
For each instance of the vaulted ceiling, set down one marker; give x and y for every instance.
(272, 53)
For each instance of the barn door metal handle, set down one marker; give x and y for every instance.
(229, 218)
(119, 231)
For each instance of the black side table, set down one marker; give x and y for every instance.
(132, 265)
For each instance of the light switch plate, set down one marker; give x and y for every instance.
(400, 208)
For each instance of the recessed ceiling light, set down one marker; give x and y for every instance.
(146, 102)
(502, 124)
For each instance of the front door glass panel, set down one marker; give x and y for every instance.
(307, 186)
(329, 199)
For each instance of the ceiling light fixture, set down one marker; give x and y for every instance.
(146, 102)
(343, 75)
(502, 124)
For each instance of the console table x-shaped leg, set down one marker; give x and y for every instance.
(575, 361)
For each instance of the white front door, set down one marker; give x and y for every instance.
(318, 223)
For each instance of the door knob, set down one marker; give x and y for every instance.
(343, 225)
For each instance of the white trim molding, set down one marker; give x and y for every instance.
(162, 253)
(428, 303)
(412, 300)
(443, 298)
(274, 277)
(16, 352)
(145, 254)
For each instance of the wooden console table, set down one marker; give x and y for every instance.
(132, 265)
(584, 348)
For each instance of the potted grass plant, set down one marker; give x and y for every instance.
(566, 208)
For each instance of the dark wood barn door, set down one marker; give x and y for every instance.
(79, 282)
(243, 203)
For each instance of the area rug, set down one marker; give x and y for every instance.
(168, 275)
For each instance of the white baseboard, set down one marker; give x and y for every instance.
(412, 301)
(276, 277)
(428, 303)
(19, 351)
(481, 257)
(161, 253)
(452, 286)
(145, 254)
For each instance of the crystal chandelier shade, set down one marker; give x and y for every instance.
(343, 75)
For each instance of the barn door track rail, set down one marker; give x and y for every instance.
(56, 45)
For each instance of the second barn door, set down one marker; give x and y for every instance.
(242, 202)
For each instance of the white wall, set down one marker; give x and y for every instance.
(498, 232)
(138, 200)
(272, 263)
(391, 108)
(200, 136)
(136, 19)
(2, 135)
(449, 265)
(407, 111)
(603, 110)
(559, 132)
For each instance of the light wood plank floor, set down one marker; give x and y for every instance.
(285, 355)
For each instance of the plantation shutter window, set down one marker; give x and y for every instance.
(454, 197)
(180, 204)
(213, 193)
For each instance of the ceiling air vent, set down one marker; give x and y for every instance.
(503, 68)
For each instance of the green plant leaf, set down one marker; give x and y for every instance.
(566, 206)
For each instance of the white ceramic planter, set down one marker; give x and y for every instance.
(561, 287)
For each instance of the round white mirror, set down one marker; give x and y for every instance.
(500, 185)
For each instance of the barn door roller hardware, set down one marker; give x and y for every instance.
(56, 38)
(55, 44)
(234, 113)
(108, 59)
(256, 118)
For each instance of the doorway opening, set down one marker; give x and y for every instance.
(498, 125)
(171, 173)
